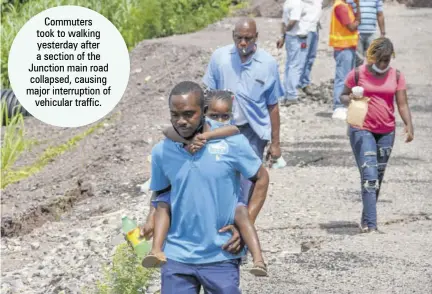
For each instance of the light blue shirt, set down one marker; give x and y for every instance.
(255, 83)
(368, 14)
(204, 194)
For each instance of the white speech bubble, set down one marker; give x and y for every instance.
(70, 35)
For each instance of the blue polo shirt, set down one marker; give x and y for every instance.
(204, 194)
(255, 83)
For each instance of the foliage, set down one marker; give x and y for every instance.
(126, 275)
(13, 142)
(10, 175)
(135, 19)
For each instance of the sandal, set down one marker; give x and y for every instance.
(259, 269)
(154, 260)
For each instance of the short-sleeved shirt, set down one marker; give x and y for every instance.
(204, 194)
(380, 117)
(294, 10)
(255, 83)
(312, 10)
(368, 14)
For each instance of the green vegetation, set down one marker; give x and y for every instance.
(13, 142)
(10, 175)
(126, 274)
(135, 19)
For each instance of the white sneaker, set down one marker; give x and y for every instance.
(340, 113)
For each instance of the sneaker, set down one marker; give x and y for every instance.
(307, 90)
(363, 228)
(340, 113)
(374, 231)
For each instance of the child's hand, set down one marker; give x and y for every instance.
(198, 142)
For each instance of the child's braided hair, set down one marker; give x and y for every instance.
(224, 95)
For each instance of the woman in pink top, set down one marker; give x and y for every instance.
(372, 143)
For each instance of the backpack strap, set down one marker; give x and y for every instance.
(397, 76)
(356, 76)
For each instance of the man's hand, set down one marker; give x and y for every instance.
(147, 229)
(273, 152)
(382, 34)
(235, 244)
(280, 42)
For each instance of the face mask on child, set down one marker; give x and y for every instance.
(218, 124)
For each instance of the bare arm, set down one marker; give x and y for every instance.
(291, 25)
(221, 132)
(283, 29)
(281, 40)
(170, 133)
(259, 194)
(405, 113)
(346, 96)
(354, 25)
(381, 24)
(275, 123)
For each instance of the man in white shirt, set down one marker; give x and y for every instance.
(312, 14)
(294, 35)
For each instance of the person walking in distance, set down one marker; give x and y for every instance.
(372, 142)
(252, 75)
(294, 35)
(312, 14)
(371, 12)
(343, 38)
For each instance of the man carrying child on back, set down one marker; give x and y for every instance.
(204, 195)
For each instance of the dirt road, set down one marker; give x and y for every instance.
(49, 246)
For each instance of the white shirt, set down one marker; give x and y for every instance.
(312, 13)
(294, 10)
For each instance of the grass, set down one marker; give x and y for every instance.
(125, 275)
(10, 175)
(13, 142)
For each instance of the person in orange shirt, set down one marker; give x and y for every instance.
(344, 39)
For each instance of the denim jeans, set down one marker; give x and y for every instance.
(372, 152)
(295, 61)
(365, 39)
(312, 47)
(345, 60)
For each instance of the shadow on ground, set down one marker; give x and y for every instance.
(340, 228)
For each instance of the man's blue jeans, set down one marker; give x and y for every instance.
(295, 61)
(345, 60)
(216, 278)
(365, 39)
(372, 152)
(312, 47)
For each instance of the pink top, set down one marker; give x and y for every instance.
(380, 116)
